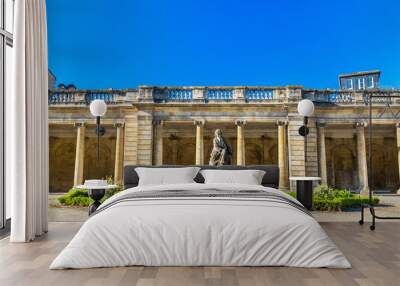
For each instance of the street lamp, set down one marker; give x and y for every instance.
(98, 108)
(305, 109)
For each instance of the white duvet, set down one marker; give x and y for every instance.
(200, 231)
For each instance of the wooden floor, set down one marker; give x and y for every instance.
(375, 257)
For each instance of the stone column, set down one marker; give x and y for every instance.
(79, 153)
(119, 154)
(199, 142)
(398, 148)
(362, 157)
(322, 153)
(240, 143)
(283, 156)
(159, 133)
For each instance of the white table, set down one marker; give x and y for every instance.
(96, 192)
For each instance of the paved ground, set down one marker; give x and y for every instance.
(389, 206)
(57, 213)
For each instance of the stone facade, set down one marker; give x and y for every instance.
(175, 125)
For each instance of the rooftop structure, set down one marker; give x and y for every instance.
(360, 80)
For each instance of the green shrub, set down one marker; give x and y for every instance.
(330, 199)
(80, 197)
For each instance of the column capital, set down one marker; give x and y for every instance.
(200, 122)
(119, 124)
(321, 124)
(281, 122)
(79, 124)
(361, 124)
(240, 122)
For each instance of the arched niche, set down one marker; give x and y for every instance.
(104, 167)
(186, 153)
(167, 152)
(384, 165)
(343, 165)
(272, 157)
(254, 153)
(61, 164)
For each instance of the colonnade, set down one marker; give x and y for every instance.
(361, 155)
(283, 153)
(240, 156)
(80, 153)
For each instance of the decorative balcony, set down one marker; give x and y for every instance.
(68, 97)
(218, 95)
(179, 94)
(329, 96)
(345, 97)
(259, 94)
(107, 97)
(162, 95)
(61, 97)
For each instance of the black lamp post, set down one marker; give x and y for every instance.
(98, 108)
(305, 109)
(304, 184)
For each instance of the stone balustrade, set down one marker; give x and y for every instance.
(217, 94)
(85, 97)
(220, 94)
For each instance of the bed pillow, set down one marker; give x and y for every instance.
(248, 177)
(166, 176)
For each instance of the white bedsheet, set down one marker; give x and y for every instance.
(200, 231)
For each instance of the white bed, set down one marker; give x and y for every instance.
(202, 231)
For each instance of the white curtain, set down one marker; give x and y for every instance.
(27, 148)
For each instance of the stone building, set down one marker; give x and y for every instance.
(175, 125)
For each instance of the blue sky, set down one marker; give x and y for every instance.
(126, 43)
